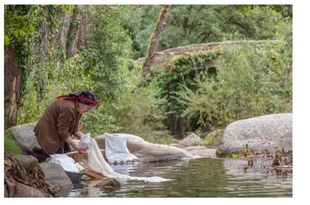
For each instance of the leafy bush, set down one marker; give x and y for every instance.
(138, 110)
(181, 71)
(252, 80)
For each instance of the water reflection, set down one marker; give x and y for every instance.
(202, 177)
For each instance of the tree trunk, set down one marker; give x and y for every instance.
(40, 50)
(77, 30)
(55, 33)
(83, 27)
(44, 29)
(63, 37)
(12, 87)
(154, 41)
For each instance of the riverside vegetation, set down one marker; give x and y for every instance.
(61, 48)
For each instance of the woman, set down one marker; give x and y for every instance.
(60, 121)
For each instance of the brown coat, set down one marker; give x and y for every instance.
(59, 121)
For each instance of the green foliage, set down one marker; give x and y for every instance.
(39, 68)
(97, 68)
(165, 139)
(73, 76)
(107, 48)
(284, 9)
(178, 73)
(195, 24)
(129, 110)
(138, 111)
(252, 80)
(139, 21)
(19, 23)
(10, 145)
(236, 155)
(101, 67)
(40, 88)
(222, 21)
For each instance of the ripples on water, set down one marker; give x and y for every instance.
(202, 177)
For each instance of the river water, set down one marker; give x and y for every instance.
(201, 177)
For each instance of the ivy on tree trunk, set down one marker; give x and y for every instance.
(154, 40)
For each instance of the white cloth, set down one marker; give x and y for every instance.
(116, 148)
(95, 158)
(65, 161)
(99, 165)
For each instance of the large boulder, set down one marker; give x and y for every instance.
(56, 176)
(265, 133)
(149, 152)
(24, 135)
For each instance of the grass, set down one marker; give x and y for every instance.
(10, 145)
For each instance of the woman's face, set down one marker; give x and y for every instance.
(85, 108)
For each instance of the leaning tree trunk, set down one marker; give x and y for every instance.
(154, 41)
(12, 87)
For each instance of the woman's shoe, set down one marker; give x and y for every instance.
(37, 150)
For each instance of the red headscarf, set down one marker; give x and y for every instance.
(84, 96)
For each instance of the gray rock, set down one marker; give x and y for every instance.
(149, 152)
(23, 190)
(201, 151)
(28, 162)
(24, 135)
(108, 184)
(269, 132)
(191, 140)
(56, 176)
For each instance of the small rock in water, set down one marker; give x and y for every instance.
(108, 184)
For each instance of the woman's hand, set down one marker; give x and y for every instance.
(79, 149)
(82, 150)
